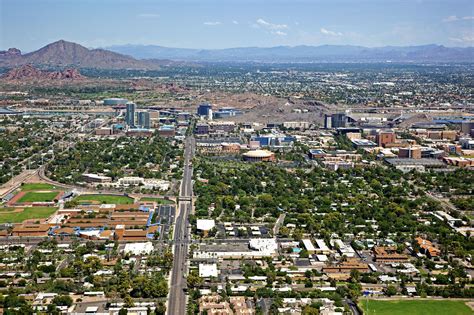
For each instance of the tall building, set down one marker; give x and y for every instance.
(338, 120)
(327, 121)
(203, 109)
(130, 114)
(144, 120)
(335, 121)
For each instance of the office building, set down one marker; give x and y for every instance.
(338, 120)
(130, 114)
(203, 109)
(410, 153)
(467, 127)
(327, 122)
(384, 138)
(144, 120)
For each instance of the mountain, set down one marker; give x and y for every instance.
(324, 53)
(28, 72)
(67, 54)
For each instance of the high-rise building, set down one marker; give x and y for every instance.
(130, 114)
(338, 120)
(144, 120)
(203, 109)
(327, 121)
(335, 121)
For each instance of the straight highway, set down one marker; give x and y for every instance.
(177, 294)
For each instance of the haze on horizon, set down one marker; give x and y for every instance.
(31, 24)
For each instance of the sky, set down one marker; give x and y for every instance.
(31, 24)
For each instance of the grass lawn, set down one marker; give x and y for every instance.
(33, 196)
(416, 307)
(119, 200)
(37, 186)
(7, 209)
(160, 201)
(26, 214)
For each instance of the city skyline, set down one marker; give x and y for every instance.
(209, 24)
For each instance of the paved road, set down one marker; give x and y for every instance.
(177, 296)
(353, 307)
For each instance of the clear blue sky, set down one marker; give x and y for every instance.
(30, 24)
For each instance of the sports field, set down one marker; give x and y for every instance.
(160, 201)
(26, 214)
(112, 199)
(37, 186)
(415, 307)
(34, 196)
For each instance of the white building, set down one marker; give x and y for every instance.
(208, 270)
(138, 249)
(205, 224)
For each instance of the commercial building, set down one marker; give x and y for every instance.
(301, 125)
(409, 153)
(347, 266)
(383, 138)
(144, 120)
(225, 112)
(388, 255)
(208, 270)
(115, 101)
(103, 131)
(327, 122)
(274, 140)
(95, 178)
(258, 156)
(203, 109)
(167, 131)
(205, 225)
(130, 115)
(338, 120)
(316, 154)
(138, 249)
(363, 143)
(26, 230)
(467, 127)
(201, 129)
(407, 165)
(139, 132)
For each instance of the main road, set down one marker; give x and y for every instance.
(177, 295)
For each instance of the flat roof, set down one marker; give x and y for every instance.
(422, 161)
(205, 224)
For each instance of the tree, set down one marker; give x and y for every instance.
(62, 300)
(128, 301)
(309, 310)
(123, 311)
(194, 280)
(391, 290)
(355, 275)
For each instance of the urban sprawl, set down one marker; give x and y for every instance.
(304, 191)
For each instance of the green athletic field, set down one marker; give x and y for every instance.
(27, 214)
(415, 307)
(37, 186)
(33, 196)
(112, 199)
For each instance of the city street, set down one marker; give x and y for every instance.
(177, 296)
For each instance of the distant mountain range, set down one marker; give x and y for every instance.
(66, 54)
(325, 53)
(63, 54)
